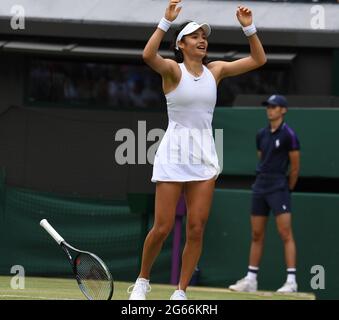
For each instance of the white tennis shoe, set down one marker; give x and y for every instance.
(288, 287)
(139, 290)
(178, 295)
(245, 285)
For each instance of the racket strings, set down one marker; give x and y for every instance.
(95, 280)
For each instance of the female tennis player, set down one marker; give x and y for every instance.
(186, 158)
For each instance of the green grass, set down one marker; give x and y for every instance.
(67, 289)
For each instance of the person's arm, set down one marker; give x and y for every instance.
(294, 157)
(165, 67)
(257, 143)
(256, 59)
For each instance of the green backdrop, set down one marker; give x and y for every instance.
(227, 242)
(115, 229)
(111, 229)
(317, 129)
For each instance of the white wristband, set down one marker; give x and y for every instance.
(249, 30)
(164, 24)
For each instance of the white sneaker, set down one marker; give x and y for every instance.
(288, 287)
(245, 285)
(139, 290)
(178, 295)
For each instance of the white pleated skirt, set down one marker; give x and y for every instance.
(185, 154)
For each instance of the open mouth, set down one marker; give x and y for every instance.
(201, 47)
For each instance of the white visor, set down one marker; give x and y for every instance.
(190, 28)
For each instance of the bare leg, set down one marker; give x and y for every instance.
(199, 195)
(166, 199)
(284, 226)
(258, 224)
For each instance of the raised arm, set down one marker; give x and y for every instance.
(165, 67)
(257, 56)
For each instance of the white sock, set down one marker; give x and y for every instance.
(252, 273)
(291, 274)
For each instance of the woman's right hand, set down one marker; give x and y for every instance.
(172, 10)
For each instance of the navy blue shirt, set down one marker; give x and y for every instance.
(273, 165)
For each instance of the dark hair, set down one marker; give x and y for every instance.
(179, 56)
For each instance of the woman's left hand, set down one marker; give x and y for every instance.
(244, 16)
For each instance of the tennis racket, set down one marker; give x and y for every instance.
(93, 277)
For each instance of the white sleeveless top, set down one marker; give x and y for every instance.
(187, 150)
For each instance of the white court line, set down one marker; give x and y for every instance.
(32, 297)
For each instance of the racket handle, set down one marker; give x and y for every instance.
(56, 236)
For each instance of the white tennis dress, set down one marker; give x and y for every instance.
(187, 150)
